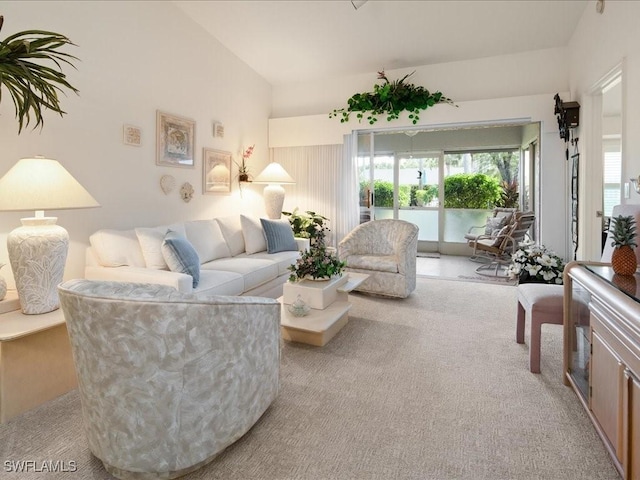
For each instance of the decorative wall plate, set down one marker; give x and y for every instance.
(186, 192)
(167, 183)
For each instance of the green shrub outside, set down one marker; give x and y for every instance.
(464, 190)
(383, 193)
(426, 195)
(471, 190)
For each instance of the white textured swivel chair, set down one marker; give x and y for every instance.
(168, 380)
(385, 250)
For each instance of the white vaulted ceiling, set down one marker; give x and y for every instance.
(299, 40)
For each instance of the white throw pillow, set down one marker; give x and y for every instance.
(254, 240)
(151, 244)
(232, 232)
(116, 248)
(207, 239)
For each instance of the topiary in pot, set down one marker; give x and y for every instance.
(623, 259)
(33, 86)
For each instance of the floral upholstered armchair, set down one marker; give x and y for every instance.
(385, 250)
(168, 380)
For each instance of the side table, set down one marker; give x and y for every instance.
(329, 312)
(36, 364)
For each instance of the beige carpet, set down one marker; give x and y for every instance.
(431, 387)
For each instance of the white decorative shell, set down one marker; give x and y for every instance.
(167, 183)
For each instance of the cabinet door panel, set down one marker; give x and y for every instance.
(632, 464)
(607, 374)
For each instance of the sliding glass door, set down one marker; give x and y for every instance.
(445, 190)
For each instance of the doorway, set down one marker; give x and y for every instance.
(421, 175)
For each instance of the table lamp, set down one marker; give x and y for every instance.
(275, 176)
(38, 249)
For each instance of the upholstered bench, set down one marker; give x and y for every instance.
(542, 303)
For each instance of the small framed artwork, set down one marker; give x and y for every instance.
(218, 130)
(216, 171)
(176, 140)
(132, 135)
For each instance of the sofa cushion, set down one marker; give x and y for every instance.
(232, 231)
(282, 259)
(206, 237)
(151, 244)
(117, 248)
(220, 283)
(253, 234)
(181, 256)
(381, 263)
(278, 235)
(254, 271)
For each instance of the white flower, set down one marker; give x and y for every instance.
(547, 261)
(533, 269)
(548, 275)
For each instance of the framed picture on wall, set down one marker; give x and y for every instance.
(176, 140)
(216, 171)
(132, 135)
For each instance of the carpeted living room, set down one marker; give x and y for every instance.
(189, 135)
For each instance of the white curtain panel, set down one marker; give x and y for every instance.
(326, 183)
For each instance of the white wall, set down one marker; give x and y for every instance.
(529, 73)
(136, 57)
(599, 43)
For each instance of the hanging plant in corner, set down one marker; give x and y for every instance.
(391, 98)
(34, 87)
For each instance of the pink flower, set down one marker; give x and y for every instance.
(247, 153)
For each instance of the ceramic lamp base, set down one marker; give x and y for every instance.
(273, 196)
(38, 252)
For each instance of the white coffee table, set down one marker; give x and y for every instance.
(329, 309)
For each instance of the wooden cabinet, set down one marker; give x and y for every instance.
(602, 358)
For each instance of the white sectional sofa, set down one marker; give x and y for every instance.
(232, 253)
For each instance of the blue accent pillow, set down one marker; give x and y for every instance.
(279, 235)
(181, 256)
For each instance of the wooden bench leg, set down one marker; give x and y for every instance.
(520, 324)
(534, 345)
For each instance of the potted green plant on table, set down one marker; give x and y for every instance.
(316, 263)
(309, 225)
(32, 85)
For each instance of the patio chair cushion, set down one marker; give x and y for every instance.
(495, 224)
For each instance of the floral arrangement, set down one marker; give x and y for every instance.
(309, 225)
(536, 264)
(317, 263)
(391, 98)
(243, 168)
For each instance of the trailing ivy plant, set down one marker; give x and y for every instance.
(390, 98)
(33, 86)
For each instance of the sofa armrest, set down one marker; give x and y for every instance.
(303, 243)
(180, 281)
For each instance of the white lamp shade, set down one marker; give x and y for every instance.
(274, 173)
(42, 184)
(38, 249)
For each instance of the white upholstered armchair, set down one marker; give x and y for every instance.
(168, 380)
(385, 250)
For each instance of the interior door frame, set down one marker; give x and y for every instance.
(590, 226)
